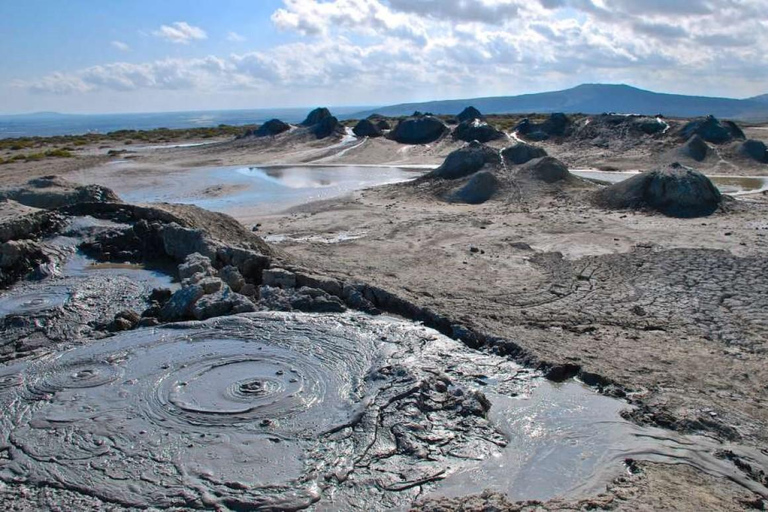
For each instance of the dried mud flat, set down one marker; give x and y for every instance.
(669, 315)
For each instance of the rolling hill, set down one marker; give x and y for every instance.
(593, 99)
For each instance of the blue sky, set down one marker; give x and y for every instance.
(119, 56)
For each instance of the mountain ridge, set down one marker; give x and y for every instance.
(592, 99)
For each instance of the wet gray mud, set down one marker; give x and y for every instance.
(71, 296)
(269, 411)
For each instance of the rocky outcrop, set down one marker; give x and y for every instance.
(712, 130)
(481, 187)
(383, 124)
(271, 128)
(51, 192)
(754, 150)
(478, 130)
(18, 258)
(675, 191)
(695, 148)
(522, 153)
(556, 125)
(367, 128)
(466, 161)
(469, 114)
(316, 116)
(418, 130)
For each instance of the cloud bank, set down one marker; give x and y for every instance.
(466, 47)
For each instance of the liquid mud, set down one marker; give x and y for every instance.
(287, 411)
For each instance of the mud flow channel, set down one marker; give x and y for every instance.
(287, 411)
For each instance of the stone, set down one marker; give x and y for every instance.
(695, 148)
(179, 306)
(316, 116)
(278, 278)
(468, 114)
(547, 169)
(232, 277)
(193, 264)
(271, 128)
(712, 130)
(754, 150)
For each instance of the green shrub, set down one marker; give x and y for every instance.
(58, 153)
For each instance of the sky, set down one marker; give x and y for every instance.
(87, 56)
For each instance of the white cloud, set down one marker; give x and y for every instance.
(121, 46)
(180, 32)
(423, 48)
(235, 37)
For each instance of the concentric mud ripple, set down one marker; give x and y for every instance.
(33, 302)
(203, 415)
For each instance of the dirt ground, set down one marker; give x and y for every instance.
(674, 312)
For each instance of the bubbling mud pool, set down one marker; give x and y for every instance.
(288, 411)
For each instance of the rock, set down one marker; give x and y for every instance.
(418, 130)
(271, 128)
(250, 263)
(470, 113)
(220, 303)
(160, 295)
(383, 124)
(754, 150)
(712, 130)
(676, 191)
(232, 277)
(465, 161)
(478, 130)
(313, 300)
(179, 306)
(479, 189)
(695, 148)
(278, 278)
(15, 252)
(328, 126)
(124, 321)
(316, 116)
(366, 128)
(210, 285)
(51, 192)
(195, 263)
(522, 153)
(178, 242)
(546, 169)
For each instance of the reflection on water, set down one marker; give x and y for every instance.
(733, 185)
(262, 189)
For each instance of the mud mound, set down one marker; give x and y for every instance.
(316, 116)
(695, 148)
(555, 126)
(478, 130)
(418, 130)
(481, 187)
(754, 150)
(465, 161)
(615, 126)
(522, 153)
(469, 114)
(675, 191)
(271, 128)
(327, 127)
(51, 192)
(367, 128)
(712, 130)
(546, 169)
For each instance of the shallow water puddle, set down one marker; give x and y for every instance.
(262, 189)
(287, 410)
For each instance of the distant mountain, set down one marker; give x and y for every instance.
(592, 99)
(762, 98)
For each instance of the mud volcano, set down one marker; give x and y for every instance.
(675, 191)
